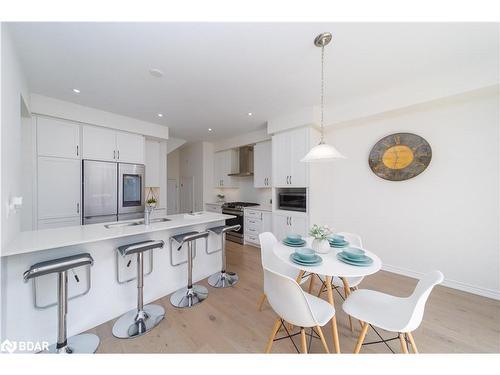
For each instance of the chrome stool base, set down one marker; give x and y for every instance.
(223, 279)
(188, 297)
(133, 324)
(86, 343)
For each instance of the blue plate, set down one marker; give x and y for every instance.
(315, 262)
(295, 244)
(293, 240)
(366, 262)
(338, 245)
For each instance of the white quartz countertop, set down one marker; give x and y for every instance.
(259, 208)
(31, 241)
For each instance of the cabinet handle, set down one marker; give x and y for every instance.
(114, 154)
(261, 216)
(78, 208)
(76, 150)
(287, 218)
(290, 179)
(118, 154)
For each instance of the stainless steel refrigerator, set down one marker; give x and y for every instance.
(112, 191)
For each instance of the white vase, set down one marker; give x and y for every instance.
(321, 246)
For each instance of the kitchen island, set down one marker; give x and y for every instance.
(108, 298)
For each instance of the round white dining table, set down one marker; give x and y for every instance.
(329, 267)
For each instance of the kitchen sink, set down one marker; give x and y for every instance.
(119, 225)
(137, 222)
(159, 220)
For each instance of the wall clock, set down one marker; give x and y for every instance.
(400, 156)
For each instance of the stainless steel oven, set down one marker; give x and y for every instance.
(292, 200)
(130, 191)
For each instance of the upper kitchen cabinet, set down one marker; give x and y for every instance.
(130, 148)
(152, 163)
(262, 155)
(58, 138)
(99, 143)
(225, 162)
(287, 149)
(111, 145)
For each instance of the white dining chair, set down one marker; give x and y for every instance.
(296, 307)
(390, 313)
(271, 261)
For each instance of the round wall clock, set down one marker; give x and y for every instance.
(400, 156)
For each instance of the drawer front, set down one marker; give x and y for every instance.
(252, 231)
(253, 223)
(213, 208)
(253, 214)
(252, 239)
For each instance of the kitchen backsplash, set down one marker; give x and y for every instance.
(246, 193)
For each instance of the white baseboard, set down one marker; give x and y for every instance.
(484, 292)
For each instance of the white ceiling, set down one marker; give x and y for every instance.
(214, 73)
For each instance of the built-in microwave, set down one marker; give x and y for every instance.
(292, 200)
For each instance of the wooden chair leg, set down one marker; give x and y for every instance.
(321, 289)
(335, 334)
(261, 302)
(412, 342)
(311, 284)
(403, 343)
(276, 327)
(323, 341)
(303, 340)
(361, 338)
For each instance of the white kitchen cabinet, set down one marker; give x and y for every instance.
(256, 222)
(225, 162)
(130, 148)
(262, 156)
(58, 188)
(285, 223)
(111, 145)
(214, 207)
(288, 148)
(58, 138)
(99, 143)
(152, 163)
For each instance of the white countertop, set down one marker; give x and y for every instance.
(259, 208)
(31, 241)
(216, 203)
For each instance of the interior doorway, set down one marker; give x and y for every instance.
(187, 194)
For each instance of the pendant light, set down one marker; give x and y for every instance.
(322, 152)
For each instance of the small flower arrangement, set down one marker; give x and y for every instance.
(220, 197)
(320, 232)
(151, 202)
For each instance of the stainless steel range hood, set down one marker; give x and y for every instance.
(246, 162)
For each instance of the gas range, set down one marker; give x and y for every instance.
(236, 209)
(238, 205)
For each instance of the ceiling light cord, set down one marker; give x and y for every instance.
(322, 92)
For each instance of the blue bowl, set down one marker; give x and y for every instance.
(337, 238)
(305, 253)
(294, 237)
(354, 252)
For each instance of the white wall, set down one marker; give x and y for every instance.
(246, 192)
(14, 88)
(447, 218)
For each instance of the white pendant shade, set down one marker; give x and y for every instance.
(322, 153)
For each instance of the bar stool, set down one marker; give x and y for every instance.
(223, 279)
(192, 294)
(83, 343)
(142, 319)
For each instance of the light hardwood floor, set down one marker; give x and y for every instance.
(229, 322)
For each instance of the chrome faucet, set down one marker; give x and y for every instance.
(147, 214)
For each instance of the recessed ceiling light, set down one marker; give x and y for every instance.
(160, 114)
(156, 73)
(250, 113)
(76, 91)
(209, 129)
